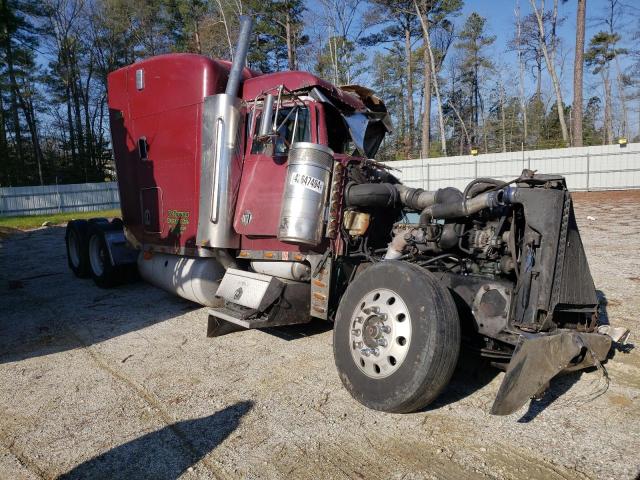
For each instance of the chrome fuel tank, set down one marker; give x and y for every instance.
(305, 193)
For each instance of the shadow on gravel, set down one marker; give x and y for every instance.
(166, 453)
(48, 332)
(297, 332)
(44, 309)
(603, 315)
(558, 386)
(471, 374)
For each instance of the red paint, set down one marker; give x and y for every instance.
(295, 81)
(261, 189)
(168, 112)
(160, 195)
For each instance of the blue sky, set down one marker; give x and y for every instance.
(500, 22)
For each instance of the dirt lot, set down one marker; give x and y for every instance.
(125, 384)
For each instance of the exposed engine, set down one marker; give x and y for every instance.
(510, 251)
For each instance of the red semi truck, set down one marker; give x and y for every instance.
(257, 195)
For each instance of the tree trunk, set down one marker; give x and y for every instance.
(5, 165)
(226, 28)
(72, 133)
(608, 118)
(503, 119)
(549, 60)
(410, 110)
(196, 36)
(578, 70)
(523, 100)
(27, 110)
(426, 111)
(75, 91)
(623, 98)
(464, 127)
(475, 109)
(434, 77)
(13, 86)
(539, 82)
(289, 35)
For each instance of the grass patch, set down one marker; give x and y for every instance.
(33, 221)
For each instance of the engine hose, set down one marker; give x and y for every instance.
(478, 181)
(376, 195)
(467, 206)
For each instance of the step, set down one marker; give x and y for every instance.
(249, 289)
(291, 308)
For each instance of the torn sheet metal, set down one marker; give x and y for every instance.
(539, 358)
(367, 127)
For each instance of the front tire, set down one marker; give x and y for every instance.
(396, 337)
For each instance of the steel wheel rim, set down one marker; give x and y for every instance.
(74, 248)
(96, 255)
(380, 333)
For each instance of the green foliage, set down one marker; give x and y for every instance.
(602, 50)
(278, 34)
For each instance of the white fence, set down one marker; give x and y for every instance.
(608, 167)
(42, 200)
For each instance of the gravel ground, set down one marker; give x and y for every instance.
(125, 384)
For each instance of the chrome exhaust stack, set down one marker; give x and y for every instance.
(220, 164)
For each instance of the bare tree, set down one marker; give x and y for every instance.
(520, 51)
(578, 71)
(426, 36)
(612, 19)
(549, 57)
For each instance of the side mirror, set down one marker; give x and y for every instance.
(266, 121)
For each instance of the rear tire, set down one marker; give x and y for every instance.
(396, 337)
(104, 274)
(77, 243)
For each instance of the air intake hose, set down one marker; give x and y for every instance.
(376, 195)
(461, 207)
(387, 195)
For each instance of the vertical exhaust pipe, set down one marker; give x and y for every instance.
(221, 162)
(240, 57)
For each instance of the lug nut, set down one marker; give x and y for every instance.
(382, 342)
(375, 351)
(366, 352)
(355, 332)
(385, 329)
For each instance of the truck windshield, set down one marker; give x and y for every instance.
(285, 135)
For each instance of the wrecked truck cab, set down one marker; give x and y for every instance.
(258, 196)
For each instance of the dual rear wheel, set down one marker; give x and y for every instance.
(396, 337)
(87, 251)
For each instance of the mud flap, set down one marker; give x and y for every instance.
(539, 358)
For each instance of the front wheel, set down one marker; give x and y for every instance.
(396, 337)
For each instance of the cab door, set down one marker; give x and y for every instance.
(265, 169)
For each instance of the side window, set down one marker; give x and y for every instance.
(280, 143)
(337, 132)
